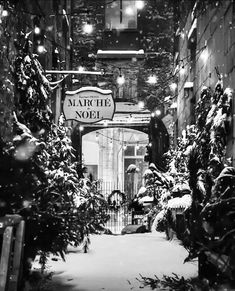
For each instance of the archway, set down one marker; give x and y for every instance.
(153, 126)
(108, 153)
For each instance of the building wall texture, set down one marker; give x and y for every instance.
(213, 53)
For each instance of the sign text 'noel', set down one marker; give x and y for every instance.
(88, 105)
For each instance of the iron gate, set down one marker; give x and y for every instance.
(118, 211)
(119, 218)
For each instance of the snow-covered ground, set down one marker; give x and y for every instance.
(114, 262)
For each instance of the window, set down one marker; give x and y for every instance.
(130, 151)
(141, 151)
(120, 14)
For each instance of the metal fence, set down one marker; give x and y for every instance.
(119, 214)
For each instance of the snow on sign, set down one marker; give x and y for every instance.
(88, 105)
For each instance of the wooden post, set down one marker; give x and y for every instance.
(12, 227)
(18, 254)
(5, 257)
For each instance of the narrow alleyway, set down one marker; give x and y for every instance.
(114, 262)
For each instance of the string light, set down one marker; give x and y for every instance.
(81, 128)
(158, 112)
(37, 30)
(87, 28)
(152, 79)
(4, 13)
(41, 49)
(120, 80)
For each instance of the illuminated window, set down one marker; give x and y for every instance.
(120, 14)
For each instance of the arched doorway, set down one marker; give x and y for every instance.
(109, 153)
(116, 157)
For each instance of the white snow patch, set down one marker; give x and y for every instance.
(180, 202)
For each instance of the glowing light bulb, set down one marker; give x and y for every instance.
(120, 80)
(81, 128)
(41, 49)
(88, 28)
(152, 79)
(4, 13)
(37, 30)
(158, 112)
(139, 4)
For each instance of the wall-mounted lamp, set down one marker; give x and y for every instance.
(120, 78)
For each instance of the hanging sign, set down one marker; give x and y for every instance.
(89, 105)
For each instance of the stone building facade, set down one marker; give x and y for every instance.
(204, 52)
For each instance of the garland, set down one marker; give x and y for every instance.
(120, 194)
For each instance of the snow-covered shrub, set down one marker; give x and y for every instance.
(39, 178)
(159, 222)
(180, 202)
